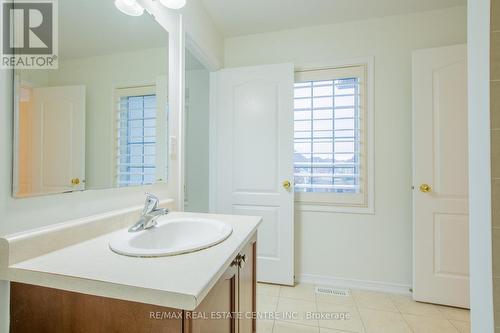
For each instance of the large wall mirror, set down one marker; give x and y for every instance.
(101, 119)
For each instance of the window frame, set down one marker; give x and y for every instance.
(346, 202)
(161, 159)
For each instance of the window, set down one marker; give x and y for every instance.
(330, 125)
(136, 136)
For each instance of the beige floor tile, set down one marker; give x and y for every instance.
(265, 326)
(376, 321)
(455, 313)
(329, 330)
(422, 324)
(342, 317)
(461, 326)
(285, 327)
(266, 303)
(268, 289)
(300, 291)
(324, 298)
(299, 309)
(408, 306)
(374, 300)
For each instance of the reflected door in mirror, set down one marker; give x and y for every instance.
(51, 140)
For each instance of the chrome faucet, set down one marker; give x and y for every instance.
(150, 214)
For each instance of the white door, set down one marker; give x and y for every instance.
(253, 127)
(440, 176)
(58, 139)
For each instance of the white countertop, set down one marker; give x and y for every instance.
(90, 267)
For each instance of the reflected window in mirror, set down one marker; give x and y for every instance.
(139, 160)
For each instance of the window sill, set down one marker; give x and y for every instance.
(304, 206)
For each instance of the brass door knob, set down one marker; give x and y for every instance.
(75, 181)
(425, 188)
(287, 184)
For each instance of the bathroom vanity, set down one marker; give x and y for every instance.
(65, 278)
(228, 307)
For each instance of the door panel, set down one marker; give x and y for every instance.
(441, 249)
(255, 164)
(268, 230)
(253, 130)
(451, 244)
(450, 129)
(57, 154)
(58, 139)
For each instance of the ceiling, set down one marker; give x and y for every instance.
(95, 27)
(243, 17)
(108, 32)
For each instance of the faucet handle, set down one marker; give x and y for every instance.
(151, 203)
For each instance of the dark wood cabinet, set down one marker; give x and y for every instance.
(214, 313)
(35, 309)
(247, 289)
(229, 307)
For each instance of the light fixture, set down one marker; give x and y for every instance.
(129, 7)
(173, 4)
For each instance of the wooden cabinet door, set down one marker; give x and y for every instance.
(36, 309)
(223, 301)
(247, 289)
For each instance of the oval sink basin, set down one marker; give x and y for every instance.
(172, 236)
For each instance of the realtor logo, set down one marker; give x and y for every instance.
(29, 34)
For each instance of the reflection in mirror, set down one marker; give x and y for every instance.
(99, 120)
(197, 135)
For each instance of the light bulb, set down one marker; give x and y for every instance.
(129, 7)
(173, 4)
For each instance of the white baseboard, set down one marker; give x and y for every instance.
(354, 284)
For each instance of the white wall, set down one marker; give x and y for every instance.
(101, 75)
(197, 141)
(374, 248)
(204, 39)
(480, 239)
